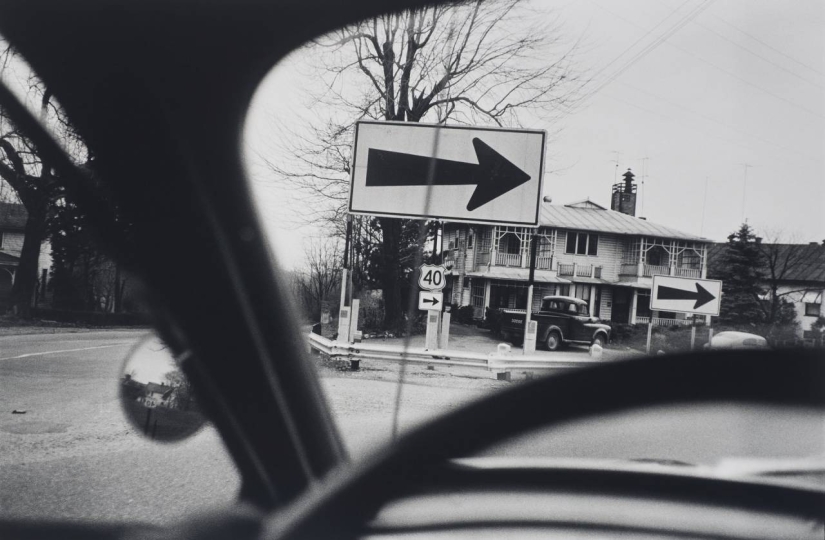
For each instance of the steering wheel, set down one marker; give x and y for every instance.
(352, 496)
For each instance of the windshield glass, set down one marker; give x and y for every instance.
(428, 178)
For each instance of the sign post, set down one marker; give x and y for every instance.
(431, 299)
(530, 327)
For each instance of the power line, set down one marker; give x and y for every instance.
(774, 49)
(809, 111)
(652, 45)
(783, 68)
(715, 121)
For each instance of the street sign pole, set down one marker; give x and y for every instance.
(344, 311)
(530, 330)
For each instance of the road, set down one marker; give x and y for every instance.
(73, 454)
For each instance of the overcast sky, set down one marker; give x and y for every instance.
(723, 116)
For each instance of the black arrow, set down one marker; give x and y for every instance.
(432, 301)
(493, 176)
(701, 295)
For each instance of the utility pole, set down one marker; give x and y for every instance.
(644, 175)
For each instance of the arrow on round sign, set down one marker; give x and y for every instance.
(493, 175)
(701, 295)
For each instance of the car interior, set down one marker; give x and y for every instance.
(160, 92)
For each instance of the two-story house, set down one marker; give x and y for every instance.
(606, 257)
(12, 233)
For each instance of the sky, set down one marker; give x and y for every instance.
(721, 117)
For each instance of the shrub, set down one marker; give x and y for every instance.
(465, 314)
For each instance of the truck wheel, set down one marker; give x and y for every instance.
(599, 340)
(553, 341)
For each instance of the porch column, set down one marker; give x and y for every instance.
(633, 306)
(592, 305)
(487, 287)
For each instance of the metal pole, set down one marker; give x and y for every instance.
(530, 281)
(345, 269)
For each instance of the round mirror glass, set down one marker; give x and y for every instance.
(156, 396)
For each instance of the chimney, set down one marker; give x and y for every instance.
(624, 195)
(758, 240)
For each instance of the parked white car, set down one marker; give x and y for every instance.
(737, 340)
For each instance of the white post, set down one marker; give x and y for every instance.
(692, 336)
(527, 319)
(444, 337)
(633, 307)
(353, 326)
(649, 335)
(431, 340)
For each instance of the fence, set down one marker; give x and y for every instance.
(664, 322)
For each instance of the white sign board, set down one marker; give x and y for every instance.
(686, 295)
(428, 301)
(477, 175)
(431, 277)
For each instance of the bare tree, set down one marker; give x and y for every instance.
(320, 280)
(467, 63)
(27, 171)
(785, 265)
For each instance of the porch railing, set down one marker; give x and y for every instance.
(508, 259)
(584, 270)
(651, 270)
(566, 269)
(688, 272)
(544, 263)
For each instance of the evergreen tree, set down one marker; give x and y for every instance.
(740, 269)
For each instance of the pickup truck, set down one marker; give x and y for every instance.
(560, 320)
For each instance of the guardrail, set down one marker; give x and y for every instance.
(495, 362)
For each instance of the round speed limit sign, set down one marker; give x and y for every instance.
(431, 277)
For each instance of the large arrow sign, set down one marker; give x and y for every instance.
(493, 175)
(701, 295)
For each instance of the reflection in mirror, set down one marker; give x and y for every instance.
(156, 396)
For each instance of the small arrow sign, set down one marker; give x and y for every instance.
(701, 295)
(493, 175)
(428, 300)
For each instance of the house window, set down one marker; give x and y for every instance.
(470, 240)
(580, 243)
(813, 309)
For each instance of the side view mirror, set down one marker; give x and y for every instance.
(155, 394)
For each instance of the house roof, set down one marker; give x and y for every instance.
(588, 216)
(12, 216)
(806, 262)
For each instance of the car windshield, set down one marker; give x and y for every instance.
(425, 181)
(635, 183)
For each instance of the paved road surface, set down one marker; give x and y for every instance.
(73, 455)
